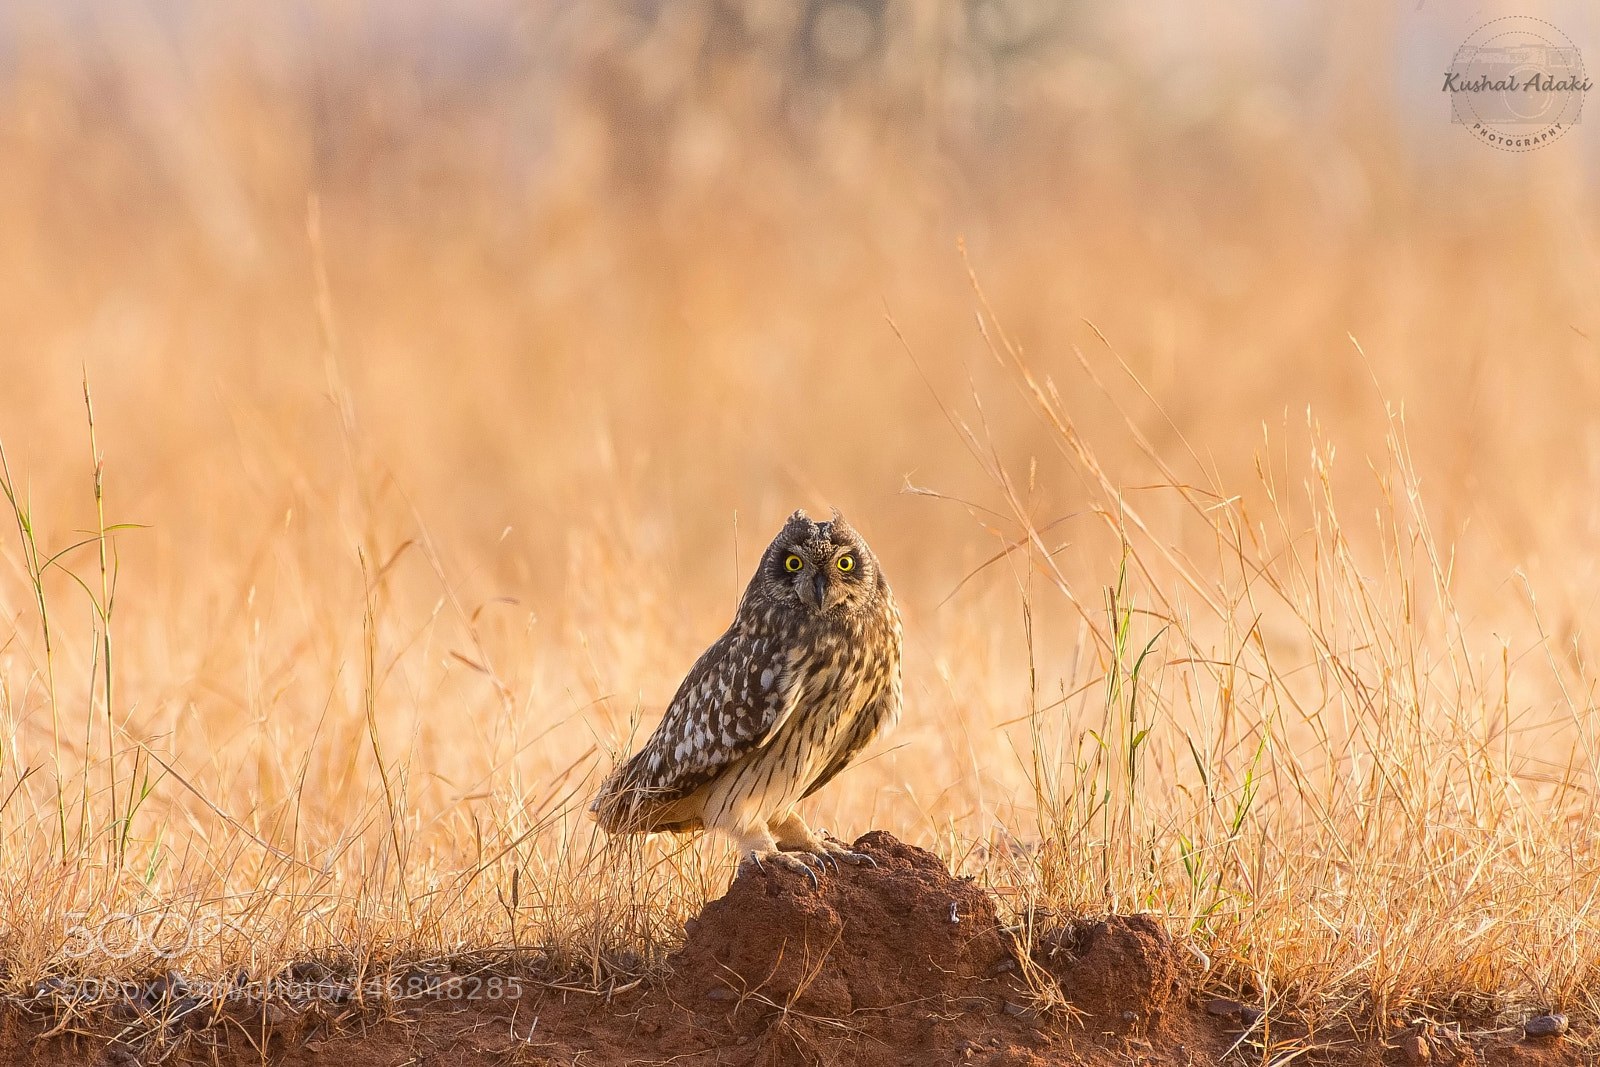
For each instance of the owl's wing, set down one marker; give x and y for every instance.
(735, 697)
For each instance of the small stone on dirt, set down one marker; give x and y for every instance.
(1552, 1025)
(627, 961)
(1414, 1047)
(308, 971)
(186, 1013)
(1129, 1016)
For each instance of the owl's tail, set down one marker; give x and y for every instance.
(616, 806)
(625, 805)
(605, 808)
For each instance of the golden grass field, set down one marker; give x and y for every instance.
(1233, 452)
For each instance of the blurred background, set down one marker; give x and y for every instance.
(537, 319)
(658, 245)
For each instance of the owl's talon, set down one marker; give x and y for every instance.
(834, 850)
(794, 861)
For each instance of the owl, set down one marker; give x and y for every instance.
(804, 679)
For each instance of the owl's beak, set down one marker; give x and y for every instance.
(815, 592)
(824, 594)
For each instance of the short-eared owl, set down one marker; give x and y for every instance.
(804, 679)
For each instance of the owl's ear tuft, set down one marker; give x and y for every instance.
(841, 530)
(798, 529)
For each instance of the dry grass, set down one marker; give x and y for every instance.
(454, 403)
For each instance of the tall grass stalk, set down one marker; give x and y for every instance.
(34, 568)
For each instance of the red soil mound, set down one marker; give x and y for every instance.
(869, 938)
(898, 963)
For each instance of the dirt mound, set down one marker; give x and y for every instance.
(904, 932)
(1124, 963)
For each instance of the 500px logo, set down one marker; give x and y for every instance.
(1517, 83)
(123, 935)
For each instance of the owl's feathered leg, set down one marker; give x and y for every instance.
(794, 836)
(757, 847)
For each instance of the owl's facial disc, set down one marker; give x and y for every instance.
(823, 565)
(822, 582)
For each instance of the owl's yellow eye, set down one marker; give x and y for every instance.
(847, 563)
(792, 564)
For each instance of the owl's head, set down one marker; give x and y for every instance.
(823, 568)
